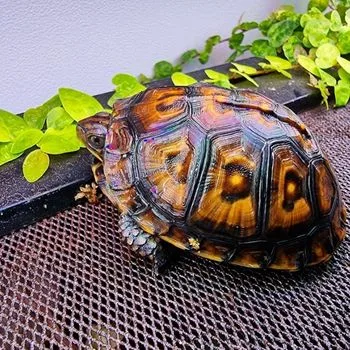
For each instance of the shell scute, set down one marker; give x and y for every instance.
(289, 204)
(167, 166)
(158, 108)
(226, 201)
(325, 187)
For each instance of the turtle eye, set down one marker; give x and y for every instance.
(96, 141)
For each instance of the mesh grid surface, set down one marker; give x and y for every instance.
(69, 282)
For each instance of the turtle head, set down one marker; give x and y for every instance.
(92, 132)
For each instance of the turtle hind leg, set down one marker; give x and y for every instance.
(146, 245)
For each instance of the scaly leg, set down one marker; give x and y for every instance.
(145, 244)
(140, 241)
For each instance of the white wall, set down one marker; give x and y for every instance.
(82, 44)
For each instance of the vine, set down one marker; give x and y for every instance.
(318, 40)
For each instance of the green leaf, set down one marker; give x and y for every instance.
(58, 118)
(208, 48)
(347, 17)
(328, 79)
(113, 99)
(163, 69)
(315, 35)
(342, 7)
(336, 23)
(5, 153)
(308, 64)
(245, 76)
(345, 3)
(204, 57)
(324, 92)
(298, 50)
(344, 41)
(312, 53)
(289, 47)
(279, 62)
(265, 25)
(78, 104)
(284, 12)
(143, 79)
(35, 165)
(342, 93)
(343, 75)
(345, 64)
(53, 102)
(319, 4)
(35, 117)
(232, 57)
(312, 14)
(222, 83)
(188, 56)
(316, 27)
(212, 74)
(237, 52)
(26, 139)
(306, 42)
(126, 86)
(317, 39)
(262, 48)
(245, 69)
(217, 78)
(321, 86)
(285, 73)
(327, 55)
(280, 32)
(235, 40)
(245, 26)
(4, 134)
(182, 79)
(60, 141)
(178, 68)
(211, 42)
(10, 125)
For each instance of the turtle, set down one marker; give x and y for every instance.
(228, 175)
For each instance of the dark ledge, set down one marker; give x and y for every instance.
(22, 203)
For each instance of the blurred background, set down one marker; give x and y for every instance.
(82, 44)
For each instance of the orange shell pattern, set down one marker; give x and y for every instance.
(233, 169)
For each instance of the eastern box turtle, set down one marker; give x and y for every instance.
(230, 176)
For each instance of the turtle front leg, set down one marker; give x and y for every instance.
(145, 244)
(140, 241)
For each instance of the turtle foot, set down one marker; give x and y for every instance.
(146, 245)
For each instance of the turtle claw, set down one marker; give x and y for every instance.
(89, 192)
(165, 256)
(161, 261)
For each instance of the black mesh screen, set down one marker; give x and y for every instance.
(69, 282)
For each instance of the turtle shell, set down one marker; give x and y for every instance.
(230, 175)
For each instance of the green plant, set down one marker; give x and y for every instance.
(51, 128)
(318, 41)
